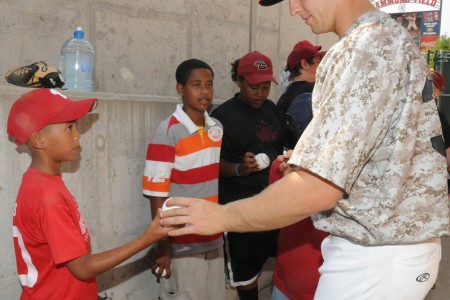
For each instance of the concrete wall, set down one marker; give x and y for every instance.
(150, 38)
(147, 39)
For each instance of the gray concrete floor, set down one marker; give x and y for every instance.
(442, 288)
(440, 292)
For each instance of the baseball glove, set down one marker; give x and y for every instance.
(37, 75)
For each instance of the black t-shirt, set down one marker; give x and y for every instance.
(445, 129)
(247, 129)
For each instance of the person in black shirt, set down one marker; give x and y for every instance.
(251, 126)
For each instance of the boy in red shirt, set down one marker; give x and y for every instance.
(51, 239)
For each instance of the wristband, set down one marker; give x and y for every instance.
(237, 170)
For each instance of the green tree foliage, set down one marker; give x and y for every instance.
(442, 43)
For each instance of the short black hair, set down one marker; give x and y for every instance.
(234, 67)
(185, 68)
(297, 69)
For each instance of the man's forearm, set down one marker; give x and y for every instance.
(291, 199)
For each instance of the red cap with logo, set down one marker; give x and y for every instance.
(438, 79)
(41, 107)
(255, 67)
(303, 50)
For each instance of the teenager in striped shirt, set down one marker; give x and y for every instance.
(183, 160)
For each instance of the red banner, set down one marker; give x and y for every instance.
(427, 42)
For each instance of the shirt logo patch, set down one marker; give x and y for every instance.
(215, 133)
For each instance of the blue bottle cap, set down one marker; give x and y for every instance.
(78, 33)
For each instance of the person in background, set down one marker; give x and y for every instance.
(412, 26)
(183, 160)
(438, 83)
(296, 272)
(51, 238)
(370, 167)
(438, 88)
(301, 65)
(251, 126)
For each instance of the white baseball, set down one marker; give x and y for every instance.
(263, 160)
(164, 273)
(165, 207)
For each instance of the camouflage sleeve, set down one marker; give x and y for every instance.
(353, 107)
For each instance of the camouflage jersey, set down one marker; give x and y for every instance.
(372, 136)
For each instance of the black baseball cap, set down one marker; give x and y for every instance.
(268, 2)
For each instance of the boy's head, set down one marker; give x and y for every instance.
(195, 85)
(253, 74)
(256, 68)
(303, 50)
(186, 67)
(36, 109)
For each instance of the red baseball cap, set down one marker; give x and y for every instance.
(41, 107)
(268, 2)
(255, 67)
(438, 79)
(303, 50)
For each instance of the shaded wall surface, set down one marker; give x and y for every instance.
(140, 43)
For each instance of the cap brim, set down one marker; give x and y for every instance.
(268, 2)
(75, 110)
(259, 78)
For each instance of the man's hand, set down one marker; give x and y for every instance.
(284, 158)
(199, 216)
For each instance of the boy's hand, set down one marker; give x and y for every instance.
(155, 231)
(161, 261)
(249, 164)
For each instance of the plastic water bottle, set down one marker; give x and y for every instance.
(77, 60)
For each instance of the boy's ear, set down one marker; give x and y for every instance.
(305, 65)
(180, 89)
(36, 140)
